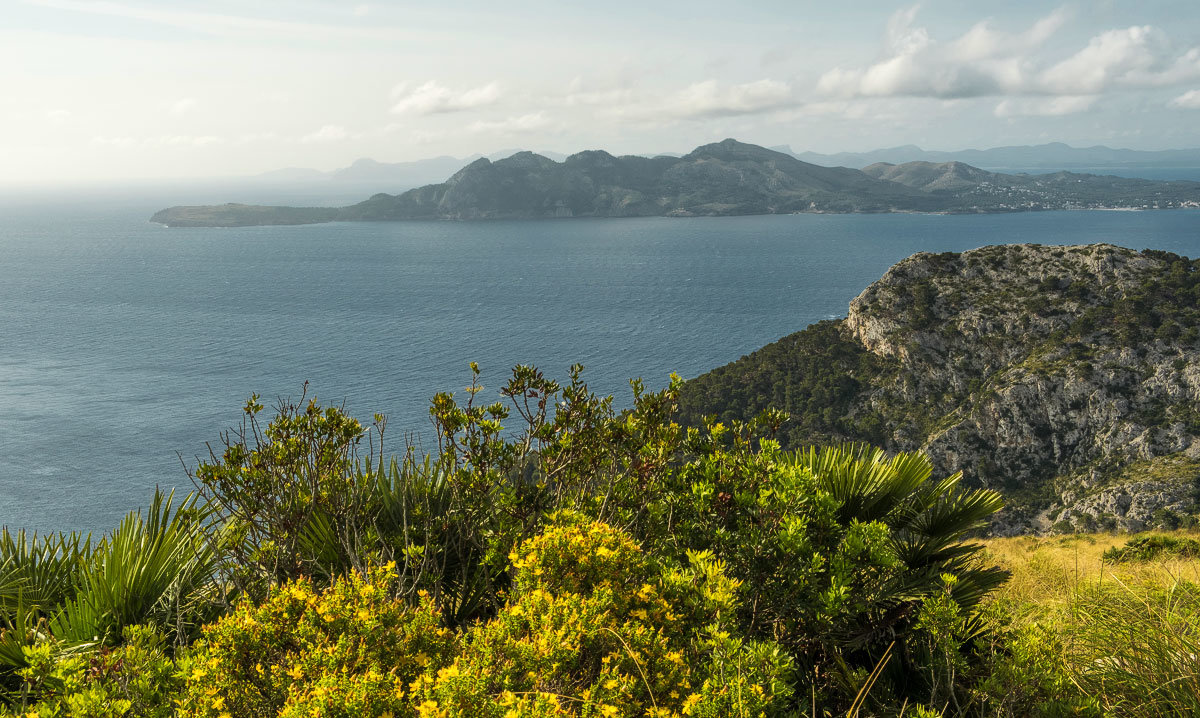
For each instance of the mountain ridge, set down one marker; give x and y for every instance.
(1050, 156)
(717, 179)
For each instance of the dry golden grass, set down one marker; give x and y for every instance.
(1049, 571)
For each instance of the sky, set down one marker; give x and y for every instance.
(101, 90)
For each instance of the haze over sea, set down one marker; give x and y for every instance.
(123, 342)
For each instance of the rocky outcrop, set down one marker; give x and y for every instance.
(1048, 373)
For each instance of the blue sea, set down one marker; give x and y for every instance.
(126, 346)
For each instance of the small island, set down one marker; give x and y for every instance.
(721, 179)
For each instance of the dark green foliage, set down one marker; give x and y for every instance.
(68, 594)
(1154, 546)
(814, 375)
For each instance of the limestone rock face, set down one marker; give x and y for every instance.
(1067, 378)
(1024, 358)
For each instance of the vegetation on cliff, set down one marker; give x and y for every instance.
(1065, 377)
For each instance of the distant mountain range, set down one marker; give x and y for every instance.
(1052, 156)
(396, 176)
(725, 178)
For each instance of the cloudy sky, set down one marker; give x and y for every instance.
(107, 89)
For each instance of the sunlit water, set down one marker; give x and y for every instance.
(125, 345)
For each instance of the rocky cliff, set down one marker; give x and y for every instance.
(1066, 377)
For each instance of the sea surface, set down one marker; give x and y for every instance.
(126, 346)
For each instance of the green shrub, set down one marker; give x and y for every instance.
(1153, 546)
(835, 549)
(136, 679)
(63, 592)
(1026, 673)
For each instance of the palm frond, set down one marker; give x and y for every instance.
(152, 568)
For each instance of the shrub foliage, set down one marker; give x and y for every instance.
(552, 556)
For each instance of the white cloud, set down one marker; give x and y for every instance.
(1189, 100)
(1045, 106)
(983, 41)
(524, 123)
(183, 106)
(710, 99)
(432, 98)
(1138, 56)
(328, 133)
(988, 62)
(362, 10)
(58, 117)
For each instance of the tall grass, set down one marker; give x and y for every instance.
(1130, 631)
(1138, 649)
(1050, 573)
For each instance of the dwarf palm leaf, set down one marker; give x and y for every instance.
(155, 568)
(928, 520)
(39, 571)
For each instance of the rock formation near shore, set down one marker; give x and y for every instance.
(1068, 378)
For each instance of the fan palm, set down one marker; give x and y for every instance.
(155, 568)
(928, 520)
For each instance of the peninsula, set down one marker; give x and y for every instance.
(725, 178)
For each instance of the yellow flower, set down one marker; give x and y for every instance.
(607, 711)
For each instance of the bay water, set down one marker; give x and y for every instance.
(126, 346)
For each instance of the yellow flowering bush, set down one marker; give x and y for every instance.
(351, 650)
(594, 628)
